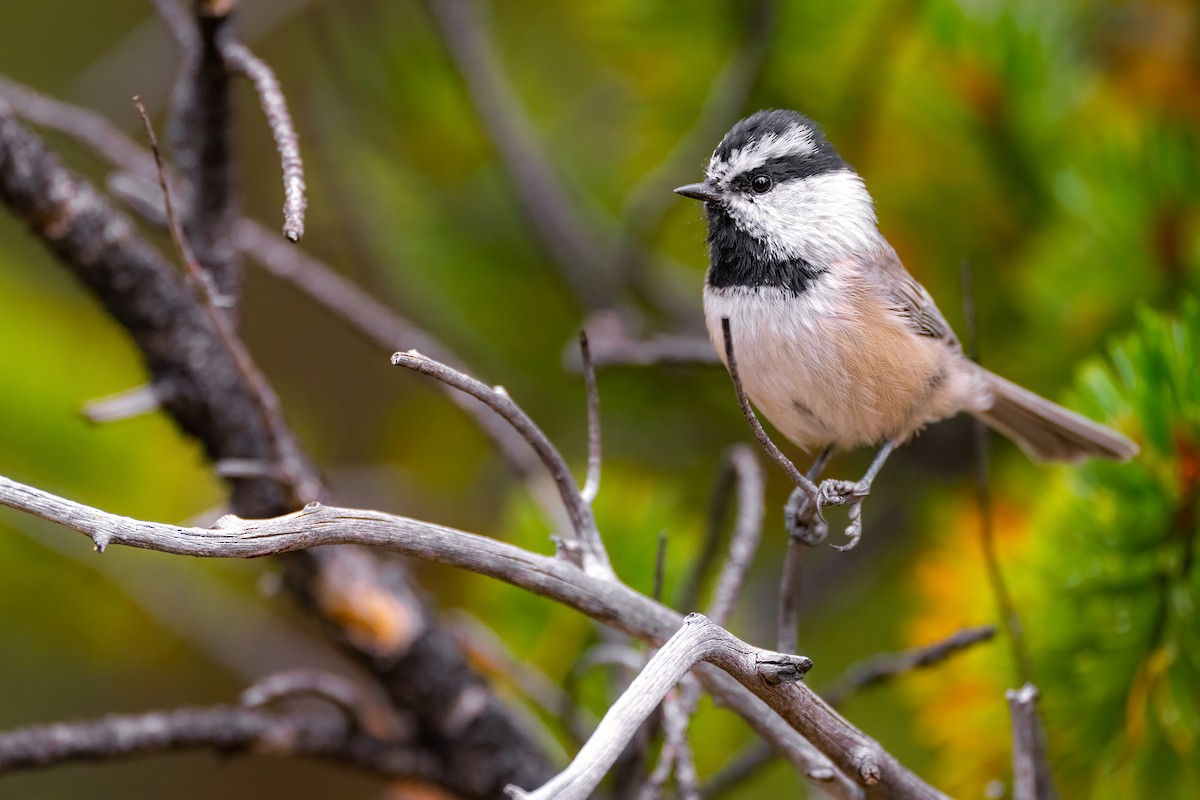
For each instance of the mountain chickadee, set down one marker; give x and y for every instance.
(836, 344)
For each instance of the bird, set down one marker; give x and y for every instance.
(836, 343)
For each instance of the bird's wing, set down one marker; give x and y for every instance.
(911, 301)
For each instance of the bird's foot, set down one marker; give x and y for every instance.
(803, 521)
(850, 494)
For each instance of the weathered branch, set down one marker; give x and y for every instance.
(842, 746)
(882, 668)
(226, 730)
(614, 346)
(1032, 779)
(201, 132)
(591, 486)
(239, 58)
(586, 534)
(366, 604)
(697, 640)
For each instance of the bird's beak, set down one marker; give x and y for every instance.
(700, 191)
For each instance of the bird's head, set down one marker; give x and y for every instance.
(776, 187)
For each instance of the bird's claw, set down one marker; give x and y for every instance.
(802, 522)
(850, 494)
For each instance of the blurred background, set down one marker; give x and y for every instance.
(1055, 147)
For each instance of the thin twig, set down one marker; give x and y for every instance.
(1009, 618)
(621, 350)
(130, 403)
(291, 463)
(804, 527)
(283, 130)
(675, 755)
(747, 532)
(201, 133)
(338, 691)
(882, 668)
(1031, 768)
(723, 488)
(845, 751)
(586, 534)
(591, 487)
(774, 452)
(697, 640)
(226, 730)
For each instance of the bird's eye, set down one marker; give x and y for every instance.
(760, 184)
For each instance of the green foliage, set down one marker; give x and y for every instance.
(1112, 588)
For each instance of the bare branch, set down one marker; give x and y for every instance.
(364, 603)
(595, 559)
(123, 405)
(228, 730)
(296, 473)
(591, 487)
(842, 746)
(283, 130)
(1031, 768)
(342, 693)
(581, 255)
(774, 452)
(697, 640)
(676, 754)
(613, 346)
(747, 531)
(202, 135)
(90, 128)
(882, 668)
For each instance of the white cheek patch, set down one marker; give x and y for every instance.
(796, 140)
(821, 218)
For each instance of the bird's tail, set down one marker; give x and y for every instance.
(1047, 431)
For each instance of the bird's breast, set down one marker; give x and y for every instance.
(830, 365)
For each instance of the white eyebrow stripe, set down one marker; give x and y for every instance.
(796, 140)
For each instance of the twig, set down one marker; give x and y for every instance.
(1031, 768)
(123, 405)
(621, 350)
(90, 128)
(841, 745)
(987, 532)
(697, 640)
(805, 531)
(718, 506)
(882, 668)
(581, 255)
(299, 477)
(774, 452)
(338, 691)
(201, 132)
(283, 130)
(364, 603)
(747, 532)
(227, 730)
(676, 754)
(587, 535)
(591, 486)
